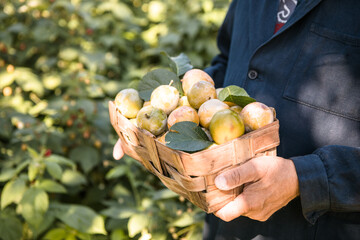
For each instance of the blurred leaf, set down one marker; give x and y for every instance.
(119, 9)
(86, 156)
(45, 30)
(46, 63)
(93, 60)
(87, 105)
(95, 91)
(164, 194)
(60, 160)
(38, 108)
(6, 126)
(7, 174)
(55, 234)
(137, 222)
(235, 94)
(33, 170)
(33, 206)
(187, 136)
(22, 166)
(6, 79)
(55, 140)
(54, 169)
(58, 5)
(73, 178)
(119, 212)
(51, 81)
(28, 81)
(6, 38)
(179, 64)
(13, 192)
(111, 88)
(18, 28)
(69, 54)
(155, 78)
(186, 219)
(118, 234)
(117, 172)
(195, 234)
(51, 186)
(10, 227)
(80, 217)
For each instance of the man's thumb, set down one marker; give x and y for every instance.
(237, 176)
(118, 152)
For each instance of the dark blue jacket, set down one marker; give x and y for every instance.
(309, 71)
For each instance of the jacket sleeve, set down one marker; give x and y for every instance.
(329, 180)
(217, 70)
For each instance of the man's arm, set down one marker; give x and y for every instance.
(329, 180)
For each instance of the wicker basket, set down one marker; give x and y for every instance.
(192, 175)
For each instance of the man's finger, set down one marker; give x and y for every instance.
(118, 152)
(233, 209)
(237, 176)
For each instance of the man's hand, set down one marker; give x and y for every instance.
(269, 182)
(118, 152)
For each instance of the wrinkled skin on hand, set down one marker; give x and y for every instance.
(270, 183)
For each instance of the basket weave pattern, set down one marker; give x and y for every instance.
(192, 175)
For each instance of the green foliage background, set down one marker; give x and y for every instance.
(60, 63)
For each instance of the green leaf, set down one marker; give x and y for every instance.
(187, 136)
(7, 174)
(86, 156)
(236, 95)
(7, 128)
(32, 152)
(118, 234)
(164, 194)
(79, 217)
(10, 227)
(51, 81)
(33, 206)
(184, 220)
(119, 212)
(116, 172)
(72, 178)
(6, 79)
(22, 166)
(28, 81)
(69, 54)
(55, 234)
(13, 192)
(33, 170)
(155, 78)
(38, 108)
(60, 160)
(54, 169)
(179, 64)
(51, 186)
(137, 223)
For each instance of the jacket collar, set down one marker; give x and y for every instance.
(303, 7)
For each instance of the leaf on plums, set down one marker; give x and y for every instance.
(235, 94)
(179, 64)
(187, 136)
(155, 78)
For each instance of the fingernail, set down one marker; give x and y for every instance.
(220, 182)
